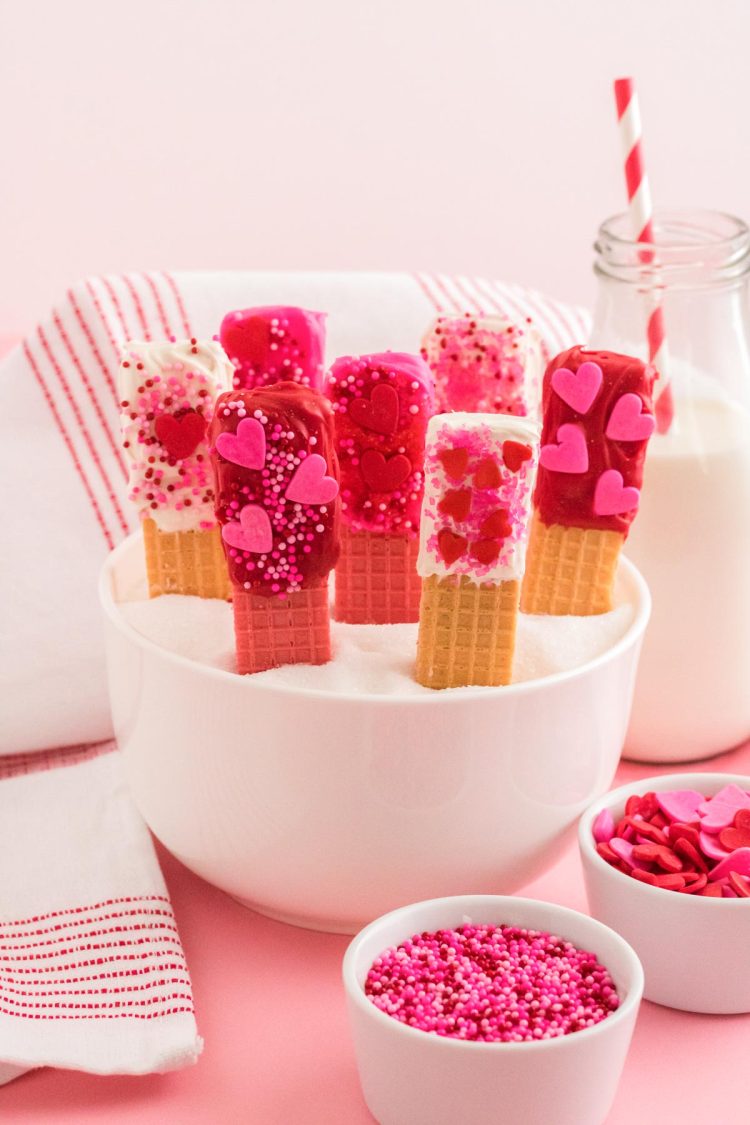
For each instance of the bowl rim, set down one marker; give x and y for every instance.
(629, 1005)
(660, 782)
(451, 697)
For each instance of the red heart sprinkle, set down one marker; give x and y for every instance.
(450, 545)
(379, 412)
(694, 885)
(456, 503)
(643, 876)
(488, 474)
(731, 838)
(485, 551)
(740, 885)
(656, 853)
(180, 435)
(742, 819)
(497, 525)
(684, 832)
(689, 852)
(671, 882)
(514, 455)
(381, 474)
(647, 830)
(711, 890)
(632, 805)
(454, 461)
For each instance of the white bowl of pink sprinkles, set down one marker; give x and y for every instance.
(545, 998)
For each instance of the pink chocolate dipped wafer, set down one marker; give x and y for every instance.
(484, 364)
(382, 404)
(277, 502)
(275, 343)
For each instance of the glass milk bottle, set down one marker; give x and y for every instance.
(691, 539)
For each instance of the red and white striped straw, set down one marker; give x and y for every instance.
(642, 217)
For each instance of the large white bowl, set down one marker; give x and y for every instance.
(695, 951)
(325, 809)
(410, 1077)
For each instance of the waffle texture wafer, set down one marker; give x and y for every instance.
(271, 631)
(467, 633)
(185, 562)
(376, 579)
(570, 570)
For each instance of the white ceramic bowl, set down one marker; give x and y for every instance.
(695, 951)
(325, 809)
(410, 1077)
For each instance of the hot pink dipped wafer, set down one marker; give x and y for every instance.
(598, 418)
(382, 404)
(484, 364)
(272, 343)
(277, 502)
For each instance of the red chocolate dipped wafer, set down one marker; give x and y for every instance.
(275, 343)
(382, 405)
(277, 502)
(598, 417)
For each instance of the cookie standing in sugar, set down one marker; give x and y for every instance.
(479, 472)
(275, 343)
(277, 503)
(484, 364)
(382, 404)
(167, 392)
(598, 418)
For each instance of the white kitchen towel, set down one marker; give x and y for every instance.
(63, 470)
(92, 972)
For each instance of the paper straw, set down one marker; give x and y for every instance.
(642, 218)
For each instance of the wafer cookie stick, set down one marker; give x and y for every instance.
(479, 475)
(167, 393)
(277, 503)
(598, 417)
(382, 404)
(275, 343)
(485, 364)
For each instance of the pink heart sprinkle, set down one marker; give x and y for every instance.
(738, 861)
(310, 485)
(578, 388)
(611, 498)
(711, 847)
(680, 804)
(719, 816)
(251, 533)
(247, 447)
(627, 422)
(604, 827)
(624, 851)
(729, 795)
(570, 455)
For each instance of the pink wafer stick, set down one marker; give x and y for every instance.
(642, 217)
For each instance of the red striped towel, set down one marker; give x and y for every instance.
(60, 449)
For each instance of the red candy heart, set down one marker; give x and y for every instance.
(497, 525)
(514, 454)
(381, 474)
(456, 503)
(731, 838)
(485, 551)
(740, 885)
(454, 461)
(450, 545)
(180, 434)
(488, 474)
(379, 412)
(656, 853)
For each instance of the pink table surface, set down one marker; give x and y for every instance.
(270, 1006)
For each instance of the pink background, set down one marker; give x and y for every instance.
(270, 1005)
(344, 134)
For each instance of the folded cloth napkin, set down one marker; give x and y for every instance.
(60, 451)
(92, 972)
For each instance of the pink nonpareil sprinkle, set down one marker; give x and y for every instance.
(492, 984)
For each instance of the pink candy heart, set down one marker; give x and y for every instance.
(711, 847)
(251, 533)
(717, 817)
(627, 422)
(247, 447)
(624, 851)
(578, 388)
(611, 498)
(310, 485)
(680, 804)
(738, 861)
(604, 827)
(570, 455)
(728, 795)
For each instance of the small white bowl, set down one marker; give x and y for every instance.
(695, 951)
(327, 809)
(412, 1077)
